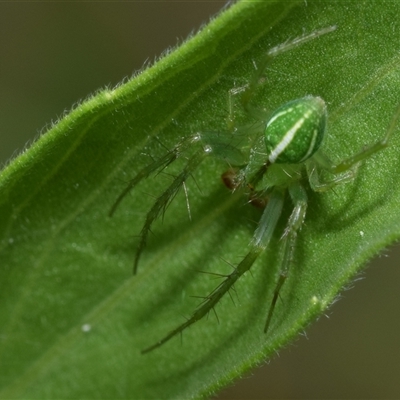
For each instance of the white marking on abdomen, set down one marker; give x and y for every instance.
(286, 140)
(311, 148)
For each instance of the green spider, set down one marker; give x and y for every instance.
(285, 154)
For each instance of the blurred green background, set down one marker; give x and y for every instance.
(53, 54)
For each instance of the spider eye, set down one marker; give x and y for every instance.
(295, 130)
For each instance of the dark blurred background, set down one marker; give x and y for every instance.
(53, 54)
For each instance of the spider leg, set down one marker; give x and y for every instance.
(246, 92)
(250, 88)
(260, 241)
(317, 185)
(157, 165)
(221, 145)
(346, 170)
(362, 155)
(296, 219)
(164, 200)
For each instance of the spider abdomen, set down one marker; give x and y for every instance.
(295, 130)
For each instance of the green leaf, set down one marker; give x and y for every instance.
(73, 318)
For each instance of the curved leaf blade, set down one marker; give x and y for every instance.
(73, 317)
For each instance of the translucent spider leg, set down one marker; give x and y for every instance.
(346, 170)
(250, 88)
(362, 155)
(165, 199)
(260, 241)
(299, 198)
(157, 165)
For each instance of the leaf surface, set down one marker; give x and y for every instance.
(73, 318)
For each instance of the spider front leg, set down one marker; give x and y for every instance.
(221, 145)
(164, 200)
(260, 241)
(168, 195)
(156, 166)
(289, 238)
